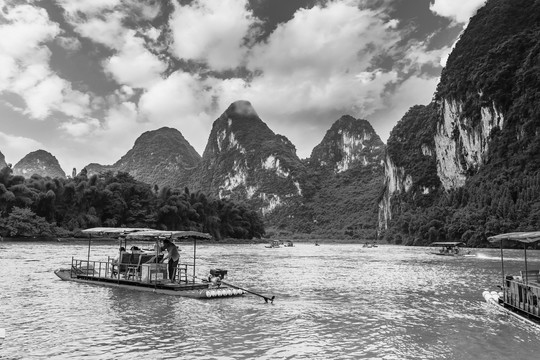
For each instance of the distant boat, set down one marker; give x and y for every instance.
(451, 248)
(288, 244)
(520, 293)
(274, 244)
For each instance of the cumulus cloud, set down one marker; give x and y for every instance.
(25, 58)
(107, 29)
(458, 10)
(126, 66)
(304, 67)
(77, 129)
(87, 7)
(212, 31)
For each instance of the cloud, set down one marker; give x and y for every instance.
(15, 148)
(212, 31)
(102, 21)
(458, 10)
(417, 56)
(23, 33)
(107, 29)
(303, 66)
(88, 7)
(25, 70)
(126, 66)
(78, 129)
(71, 44)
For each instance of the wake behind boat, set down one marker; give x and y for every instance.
(451, 248)
(144, 270)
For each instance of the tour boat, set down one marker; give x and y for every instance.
(451, 248)
(274, 244)
(288, 243)
(520, 295)
(143, 270)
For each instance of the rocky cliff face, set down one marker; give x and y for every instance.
(410, 166)
(348, 143)
(3, 163)
(39, 162)
(161, 157)
(461, 149)
(245, 160)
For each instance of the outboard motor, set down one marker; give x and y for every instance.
(216, 275)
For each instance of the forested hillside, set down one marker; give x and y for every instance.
(491, 82)
(41, 206)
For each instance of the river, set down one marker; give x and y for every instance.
(334, 301)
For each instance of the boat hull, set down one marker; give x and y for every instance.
(493, 298)
(195, 291)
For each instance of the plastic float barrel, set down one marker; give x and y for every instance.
(221, 292)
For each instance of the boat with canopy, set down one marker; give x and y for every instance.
(451, 248)
(143, 269)
(519, 295)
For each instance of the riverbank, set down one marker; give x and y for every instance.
(69, 240)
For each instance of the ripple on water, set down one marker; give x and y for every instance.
(332, 301)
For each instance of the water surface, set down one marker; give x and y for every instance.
(334, 301)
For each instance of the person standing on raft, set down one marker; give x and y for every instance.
(174, 257)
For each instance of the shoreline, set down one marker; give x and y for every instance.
(71, 240)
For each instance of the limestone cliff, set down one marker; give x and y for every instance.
(410, 166)
(245, 160)
(349, 142)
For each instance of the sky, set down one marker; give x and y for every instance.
(83, 79)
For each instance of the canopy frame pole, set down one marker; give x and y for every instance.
(526, 272)
(502, 271)
(88, 259)
(194, 257)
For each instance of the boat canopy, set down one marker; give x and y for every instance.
(447, 243)
(522, 237)
(148, 234)
(112, 231)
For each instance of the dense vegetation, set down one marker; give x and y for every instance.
(41, 206)
(496, 63)
(333, 205)
(488, 205)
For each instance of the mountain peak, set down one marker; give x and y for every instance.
(241, 108)
(349, 141)
(39, 162)
(160, 157)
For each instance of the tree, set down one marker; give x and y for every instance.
(24, 222)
